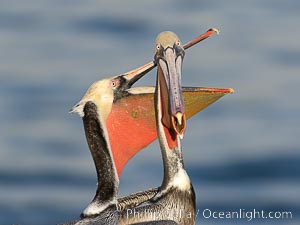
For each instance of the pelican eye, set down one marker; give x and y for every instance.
(157, 46)
(178, 43)
(113, 83)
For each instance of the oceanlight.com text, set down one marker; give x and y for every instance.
(246, 214)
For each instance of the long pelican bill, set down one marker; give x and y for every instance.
(201, 37)
(134, 75)
(135, 114)
(169, 56)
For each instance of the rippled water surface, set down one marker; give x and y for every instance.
(241, 153)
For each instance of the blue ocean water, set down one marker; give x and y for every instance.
(241, 153)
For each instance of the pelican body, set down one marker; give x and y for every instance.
(175, 199)
(94, 108)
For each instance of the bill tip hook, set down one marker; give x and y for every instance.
(216, 30)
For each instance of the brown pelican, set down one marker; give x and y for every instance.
(94, 108)
(175, 199)
(103, 111)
